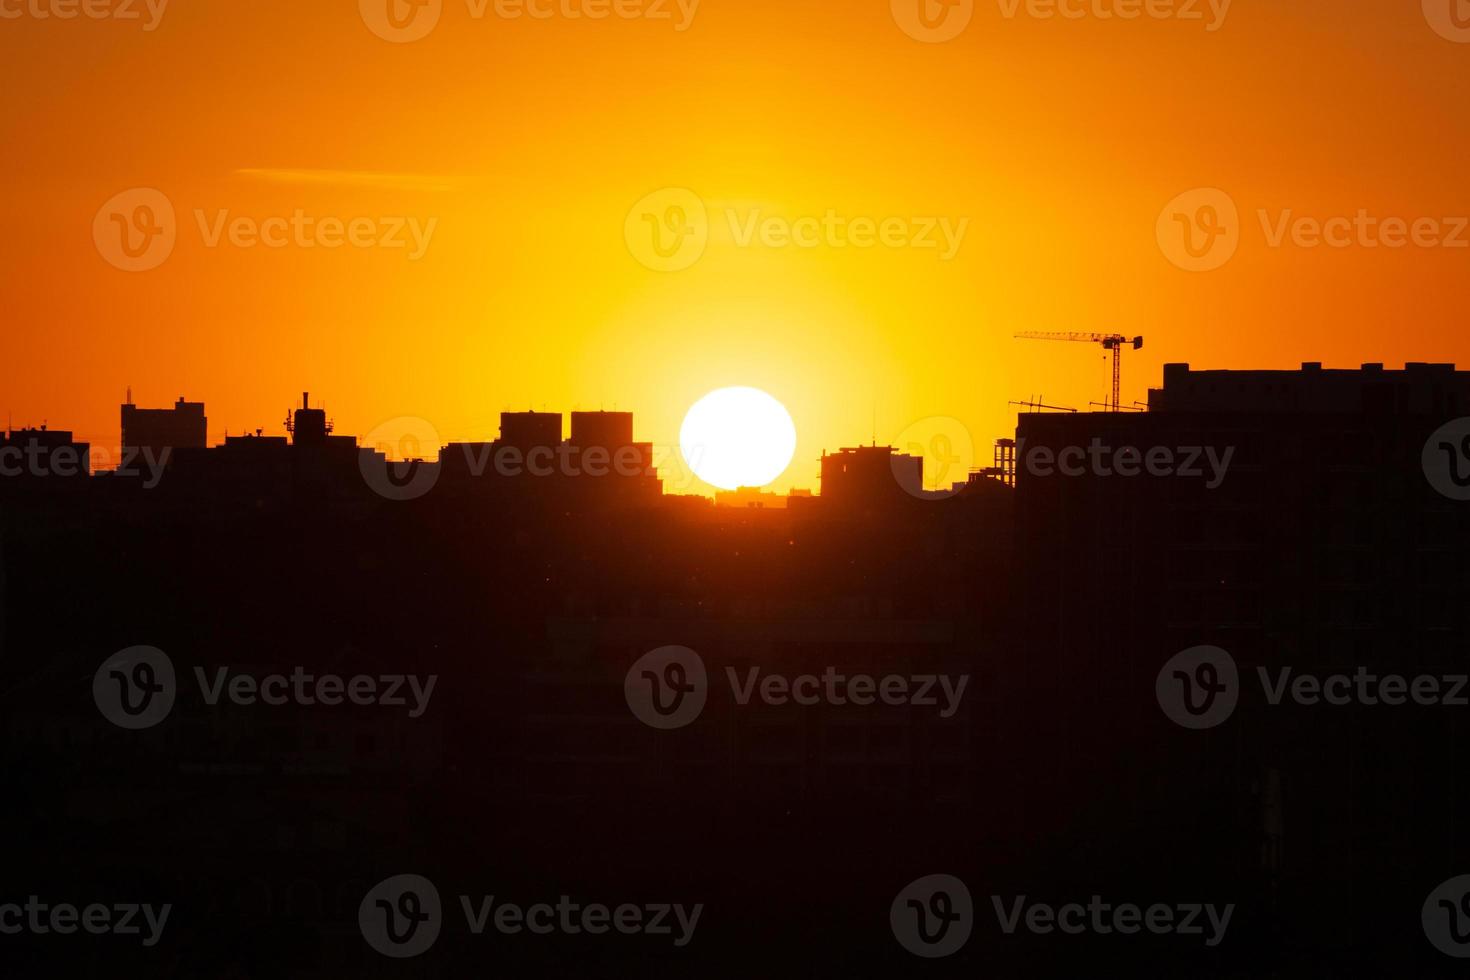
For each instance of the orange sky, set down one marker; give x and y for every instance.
(1057, 141)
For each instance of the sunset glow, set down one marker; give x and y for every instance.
(1019, 171)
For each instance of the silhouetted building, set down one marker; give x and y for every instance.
(1418, 389)
(529, 430)
(870, 476)
(43, 454)
(1283, 516)
(309, 427)
(157, 429)
(611, 430)
(599, 463)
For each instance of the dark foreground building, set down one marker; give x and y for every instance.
(1304, 523)
(627, 704)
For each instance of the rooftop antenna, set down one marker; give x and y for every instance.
(130, 395)
(1036, 404)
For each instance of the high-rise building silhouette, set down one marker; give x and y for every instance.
(1283, 517)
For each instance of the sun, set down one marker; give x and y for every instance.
(737, 437)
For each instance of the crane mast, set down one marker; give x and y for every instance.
(1114, 342)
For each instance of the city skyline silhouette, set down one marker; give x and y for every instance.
(692, 488)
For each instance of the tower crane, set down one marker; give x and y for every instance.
(1114, 342)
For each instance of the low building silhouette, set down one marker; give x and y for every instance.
(156, 430)
(42, 457)
(530, 430)
(599, 463)
(866, 477)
